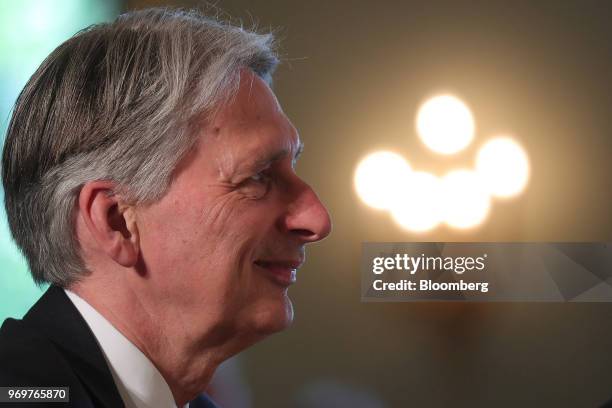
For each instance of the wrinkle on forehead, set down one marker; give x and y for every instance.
(253, 102)
(250, 125)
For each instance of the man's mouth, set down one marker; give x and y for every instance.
(282, 273)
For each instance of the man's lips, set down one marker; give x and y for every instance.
(281, 272)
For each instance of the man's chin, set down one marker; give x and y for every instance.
(273, 318)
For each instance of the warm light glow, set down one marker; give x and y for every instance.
(445, 124)
(416, 207)
(378, 177)
(503, 165)
(466, 201)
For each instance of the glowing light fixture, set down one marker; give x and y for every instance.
(419, 201)
(445, 124)
(466, 201)
(503, 166)
(378, 177)
(417, 204)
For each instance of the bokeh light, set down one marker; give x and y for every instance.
(378, 177)
(503, 166)
(445, 124)
(417, 205)
(466, 201)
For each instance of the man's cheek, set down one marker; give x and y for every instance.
(233, 214)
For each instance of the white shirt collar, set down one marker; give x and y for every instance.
(139, 382)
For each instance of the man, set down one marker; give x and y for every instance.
(149, 178)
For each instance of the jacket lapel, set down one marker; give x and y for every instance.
(56, 317)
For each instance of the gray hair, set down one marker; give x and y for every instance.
(118, 101)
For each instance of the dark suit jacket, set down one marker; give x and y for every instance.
(54, 346)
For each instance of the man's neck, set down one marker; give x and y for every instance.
(186, 363)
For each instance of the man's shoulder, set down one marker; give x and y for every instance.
(53, 346)
(30, 359)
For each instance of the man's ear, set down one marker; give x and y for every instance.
(110, 221)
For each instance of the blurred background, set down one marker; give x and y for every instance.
(353, 77)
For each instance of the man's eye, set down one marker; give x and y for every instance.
(260, 177)
(257, 185)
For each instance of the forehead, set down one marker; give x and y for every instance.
(248, 132)
(254, 116)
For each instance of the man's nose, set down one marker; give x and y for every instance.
(307, 217)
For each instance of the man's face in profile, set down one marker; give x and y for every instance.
(223, 245)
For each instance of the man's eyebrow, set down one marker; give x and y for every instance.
(299, 151)
(264, 161)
